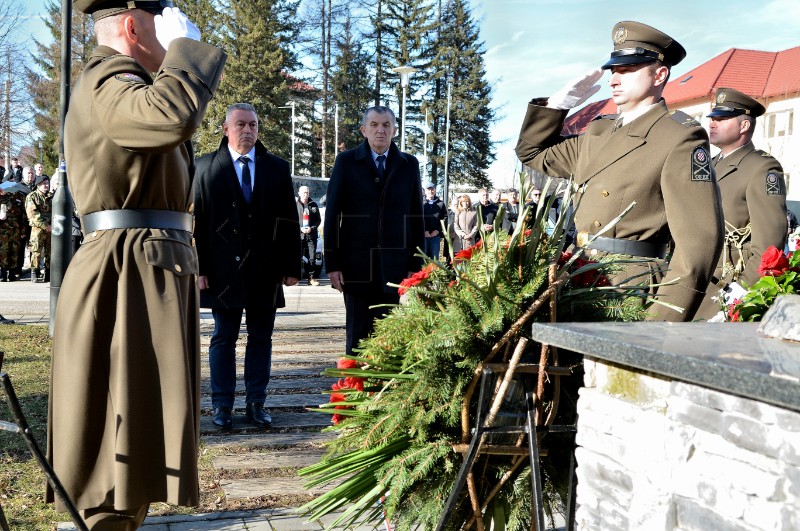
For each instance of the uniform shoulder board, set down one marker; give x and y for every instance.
(129, 78)
(605, 117)
(765, 153)
(683, 119)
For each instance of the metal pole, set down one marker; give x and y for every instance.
(403, 133)
(447, 145)
(335, 129)
(61, 236)
(425, 149)
(293, 138)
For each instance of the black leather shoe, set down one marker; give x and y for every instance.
(222, 417)
(257, 415)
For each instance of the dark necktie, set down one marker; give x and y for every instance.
(247, 186)
(381, 165)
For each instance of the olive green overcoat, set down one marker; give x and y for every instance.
(124, 400)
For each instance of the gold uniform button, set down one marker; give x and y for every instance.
(191, 208)
(178, 268)
(605, 193)
(598, 224)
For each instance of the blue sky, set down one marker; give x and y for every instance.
(534, 47)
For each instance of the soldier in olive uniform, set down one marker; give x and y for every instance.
(753, 196)
(12, 222)
(39, 207)
(124, 403)
(647, 154)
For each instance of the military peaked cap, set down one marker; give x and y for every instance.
(636, 43)
(105, 8)
(729, 102)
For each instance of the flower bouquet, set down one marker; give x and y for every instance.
(780, 275)
(398, 406)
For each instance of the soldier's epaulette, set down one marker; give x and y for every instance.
(765, 153)
(683, 119)
(605, 117)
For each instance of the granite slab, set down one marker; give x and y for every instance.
(728, 357)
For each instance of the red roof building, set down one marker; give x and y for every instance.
(773, 78)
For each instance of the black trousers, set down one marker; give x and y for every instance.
(360, 317)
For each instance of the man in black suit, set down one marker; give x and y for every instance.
(373, 223)
(246, 235)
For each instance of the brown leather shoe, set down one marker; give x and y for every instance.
(257, 415)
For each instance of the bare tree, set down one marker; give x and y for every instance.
(13, 117)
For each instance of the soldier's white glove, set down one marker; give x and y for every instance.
(732, 292)
(577, 91)
(171, 24)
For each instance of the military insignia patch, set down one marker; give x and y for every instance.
(701, 169)
(129, 78)
(774, 184)
(721, 97)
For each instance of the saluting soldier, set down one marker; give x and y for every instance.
(647, 154)
(124, 402)
(39, 207)
(753, 196)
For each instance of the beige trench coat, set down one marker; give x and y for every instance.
(124, 400)
(660, 160)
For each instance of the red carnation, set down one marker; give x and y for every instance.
(773, 262)
(346, 363)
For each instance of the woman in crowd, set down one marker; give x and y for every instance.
(465, 224)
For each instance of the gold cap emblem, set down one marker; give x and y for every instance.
(621, 35)
(720, 97)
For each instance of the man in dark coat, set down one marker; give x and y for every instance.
(373, 223)
(124, 396)
(310, 219)
(246, 234)
(435, 212)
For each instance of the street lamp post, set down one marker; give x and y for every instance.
(40, 151)
(405, 74)
(291, 104)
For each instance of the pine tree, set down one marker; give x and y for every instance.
(258, 36)
(351, 86)
(409, 26)
(44, 82)
(459, 60)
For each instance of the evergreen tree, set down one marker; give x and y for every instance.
(258, 37)
(351, 86)
(409, 26)
(44, 82)
(459, 60)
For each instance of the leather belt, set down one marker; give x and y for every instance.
(629, 247)
(130, 218)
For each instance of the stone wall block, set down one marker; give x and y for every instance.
(720, 498)
(699, 395)
(763, 514)
(694, 517)
(750, 434)
(792, 485)
(686, 412)
(594, 467)
(741, 476)
(790, 449)
(636, 387)
(589, 372)
(787, 420)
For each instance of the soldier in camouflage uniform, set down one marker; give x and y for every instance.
(12, 206)
(39, 207)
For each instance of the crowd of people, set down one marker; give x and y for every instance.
(25, 213)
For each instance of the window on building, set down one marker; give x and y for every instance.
(778, 124)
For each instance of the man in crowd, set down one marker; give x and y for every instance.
(647, 154)
(487, 211)
(310, 219)
(435, 212)
(12, 222)
(373, 223)
(15, 170)
(494, 196)
(246, 232)
(513, 209)
(124, 402)
(39, 208)
(28, 178)
(753, 197)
